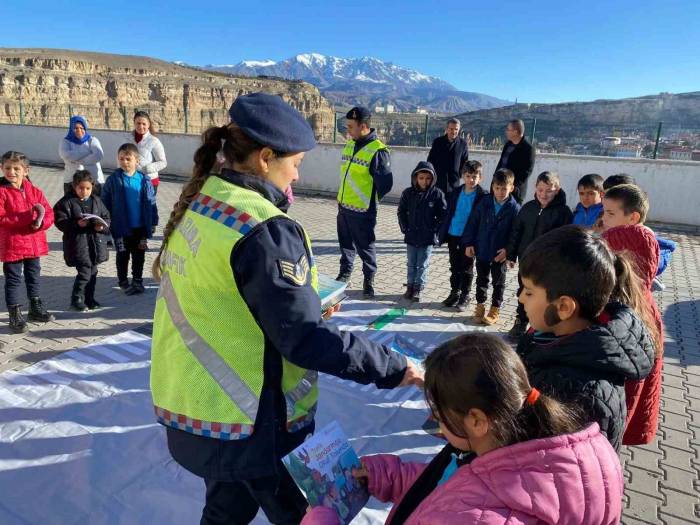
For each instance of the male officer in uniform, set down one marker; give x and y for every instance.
(365, 177)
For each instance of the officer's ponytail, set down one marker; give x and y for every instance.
(236, 147)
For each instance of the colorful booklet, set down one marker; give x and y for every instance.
(322, 468)
(92, 217)
(330, 291)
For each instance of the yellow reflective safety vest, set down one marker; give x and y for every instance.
(208, 350)
(356, 182)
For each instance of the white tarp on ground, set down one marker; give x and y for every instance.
(78, 442)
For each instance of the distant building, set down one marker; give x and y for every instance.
(680, 154)
(379, 109)
(389, 108)
(696, 155)
(421, 111)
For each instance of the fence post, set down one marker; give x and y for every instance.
(21, 112)
(532, 136)
(185, 104)
(123, 111)
(658, 136)
(425, 134)
(335, 126)
(70, 111)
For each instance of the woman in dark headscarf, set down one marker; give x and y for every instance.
(80, 150)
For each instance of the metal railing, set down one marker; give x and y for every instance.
(670, 140)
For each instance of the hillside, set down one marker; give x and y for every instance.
(107, 88)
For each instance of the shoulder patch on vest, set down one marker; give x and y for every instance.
(296, 273)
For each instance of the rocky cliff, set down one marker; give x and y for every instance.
(46, 86)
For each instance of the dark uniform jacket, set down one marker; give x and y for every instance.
(81, 246)
(534, 221)
(448, 158)
(421, 213)
(521, 161)
(487, 231)
(289, 316)
(380, 170)
(589, 368)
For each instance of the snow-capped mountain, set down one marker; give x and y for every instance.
(368, 81)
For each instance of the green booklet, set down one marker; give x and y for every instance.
(330, 291)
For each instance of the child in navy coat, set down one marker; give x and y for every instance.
(421, 212)
(486, 237)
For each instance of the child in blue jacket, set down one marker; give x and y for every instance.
(485, 237)
(421, 212)
(590, 194)
(128, 195)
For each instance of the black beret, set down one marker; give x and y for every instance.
(358, 113)
(272, 122)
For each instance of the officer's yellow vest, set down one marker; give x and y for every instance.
(207, 350)
(356, 182)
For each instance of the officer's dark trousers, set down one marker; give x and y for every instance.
(234, 503)
(356, 235)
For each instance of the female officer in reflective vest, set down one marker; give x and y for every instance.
(238, 338)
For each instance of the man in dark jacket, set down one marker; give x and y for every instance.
(421, 213)
(546, 212)
(365, 178)
(447, 155)
(518, 155)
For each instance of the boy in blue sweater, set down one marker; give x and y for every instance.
(590, 194)
(460, 204)
(485, 237)
(131, 201)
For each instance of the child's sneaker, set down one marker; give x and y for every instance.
(491, 318)
(37, 312)
(461, 305)
(451, 299)
(479, 312)
(124, 285)
(136, 288)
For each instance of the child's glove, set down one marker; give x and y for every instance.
(40, 212)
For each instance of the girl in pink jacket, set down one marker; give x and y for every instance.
(515, 456)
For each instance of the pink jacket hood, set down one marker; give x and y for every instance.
(569, 479)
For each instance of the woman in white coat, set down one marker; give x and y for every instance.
(151, 153)
(80, 150)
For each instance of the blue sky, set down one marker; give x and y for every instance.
(537, 51)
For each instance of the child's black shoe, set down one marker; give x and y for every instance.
(136, 288)
(124, 285)
(77, 304)
(92, 304)
(408, 294)
(37, 312)
(17, 323)
(451, 299)
(461, 305)
(416, 295)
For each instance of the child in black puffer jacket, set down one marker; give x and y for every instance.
(84, 239)
(421, 212)
(581, 348)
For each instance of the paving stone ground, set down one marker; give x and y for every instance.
(662, 479)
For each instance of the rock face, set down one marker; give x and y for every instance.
(47, 86)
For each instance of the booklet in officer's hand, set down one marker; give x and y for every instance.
(92, 217)
(330, 291)
(322, 468)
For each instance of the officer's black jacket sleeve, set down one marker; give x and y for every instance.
(290, 315)
(380, 169)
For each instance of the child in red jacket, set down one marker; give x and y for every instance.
(625, 209)
(25, 215)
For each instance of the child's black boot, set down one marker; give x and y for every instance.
(416, 294)
(136, 287)
(462, 302)
(37, 312)
(77, 304)
(451, 299)
(17, 323)
(408, 294)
